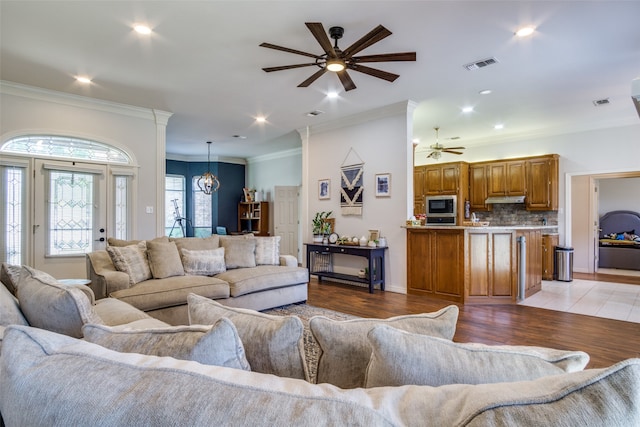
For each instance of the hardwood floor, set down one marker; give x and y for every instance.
(606, 341)
(601, 277)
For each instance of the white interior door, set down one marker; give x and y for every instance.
(286, 223)
(69, 216)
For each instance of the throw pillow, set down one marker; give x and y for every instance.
(47, 304)
(164, 259)
(345, 350)
(196, 243)
(268, 250)
(239, 253)
(273, 344)
(10, 276)
(217, 345)
(401, 358)
(131, 260)
(203, 263)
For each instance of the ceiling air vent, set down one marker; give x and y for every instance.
(314, 113)
(480, 64)
(599, 102)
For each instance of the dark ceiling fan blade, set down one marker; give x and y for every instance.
(452, 152)
(286, 67)
(320, 34)
(367, 40)
(315, 76)
(374, 72)
(346, 81)
(431, 154)
(286, 49)
(386, 57)
(454, 148)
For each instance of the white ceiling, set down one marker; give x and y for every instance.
(203, 63)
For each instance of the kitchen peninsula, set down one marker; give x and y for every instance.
(473, 264)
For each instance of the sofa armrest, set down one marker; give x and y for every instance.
(103, 275)
(288, 261)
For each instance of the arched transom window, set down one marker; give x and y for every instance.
(66, 148)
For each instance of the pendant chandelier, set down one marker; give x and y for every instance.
(208, 182)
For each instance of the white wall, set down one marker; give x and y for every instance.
(139, 131)
(264, 173)
(619, 194)
(381, 139)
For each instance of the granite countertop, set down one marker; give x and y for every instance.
(549, 228)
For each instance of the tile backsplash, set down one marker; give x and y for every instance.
(516, 214)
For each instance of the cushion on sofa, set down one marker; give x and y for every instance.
(172, 291)
(86, 384)
(239, 252)
(114, 312)
(218, 344)
(244, 281)
(10, 313)
(10, 276)
(50, 305)
(207, 262)
(132, 260)
(164, 259)
(112, 241)
(345, 350)
(400, 358)
(196, 243)
(267, 250)
(273, 344)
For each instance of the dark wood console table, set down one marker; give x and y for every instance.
(320, 262)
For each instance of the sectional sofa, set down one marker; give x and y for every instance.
(157, 275)
(235, 366)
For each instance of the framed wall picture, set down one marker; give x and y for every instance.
(383, 185)
(324, 189)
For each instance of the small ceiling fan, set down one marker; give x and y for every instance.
(437, 149)
(339, 61)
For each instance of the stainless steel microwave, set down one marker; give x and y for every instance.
(441, 206)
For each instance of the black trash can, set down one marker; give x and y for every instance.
(563, 264)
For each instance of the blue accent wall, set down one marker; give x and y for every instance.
(225, 200)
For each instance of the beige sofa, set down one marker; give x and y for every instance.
(156, 276)
(75, 382)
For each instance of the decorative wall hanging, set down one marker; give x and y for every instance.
(351, 185)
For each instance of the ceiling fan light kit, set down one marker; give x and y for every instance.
(339, 61)
(437, 149)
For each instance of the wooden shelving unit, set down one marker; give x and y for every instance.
(254, 218)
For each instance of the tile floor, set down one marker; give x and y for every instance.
(593, 298)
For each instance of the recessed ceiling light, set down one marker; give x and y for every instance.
(499, 126)
(142, 29)
(415, 141)
(261, 119)
(467, 109)
(82, 79)
(332, 94)
(485, 92)
(525, 31)
(239, 136)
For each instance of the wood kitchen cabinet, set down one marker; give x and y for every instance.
(444, 179)
(478, 187)
(542, 183)
(434, 264)
(549, 243)
(506, 178)
(418, 190)
(492, 264)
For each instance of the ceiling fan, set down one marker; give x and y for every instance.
(437, 149)
(339, 61)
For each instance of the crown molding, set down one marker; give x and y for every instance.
(79, 101)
